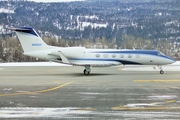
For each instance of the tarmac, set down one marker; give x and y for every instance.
(40, 91)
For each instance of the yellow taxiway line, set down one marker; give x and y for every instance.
(119, 108)
(39, 91)
(156, 80)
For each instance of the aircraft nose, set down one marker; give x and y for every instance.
(166, 60)
(171, 60)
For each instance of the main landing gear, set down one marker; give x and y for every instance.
(161, 70)
(87, 70)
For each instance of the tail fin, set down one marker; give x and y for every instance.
(29, 39)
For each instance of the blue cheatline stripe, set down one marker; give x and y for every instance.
(140, 52)
(129, 62)
(111, 60)
(149, 52)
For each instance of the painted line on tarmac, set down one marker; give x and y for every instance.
(170, 101)
(39, 91)
(120, 108)
(156, 80)
(120, 69)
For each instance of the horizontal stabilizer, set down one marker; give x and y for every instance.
(24, 30)
(19, 29)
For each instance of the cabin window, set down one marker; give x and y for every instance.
(97, 55)
(137, 56)
(129, 56)
(121, 56)
(113, 55)
(105, 55)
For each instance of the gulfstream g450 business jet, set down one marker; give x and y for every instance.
(34, 46)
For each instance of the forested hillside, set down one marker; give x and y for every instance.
(99, 23)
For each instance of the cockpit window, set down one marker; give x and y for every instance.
(160, 53)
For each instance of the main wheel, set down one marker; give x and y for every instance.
(161, 72)
(86, 72)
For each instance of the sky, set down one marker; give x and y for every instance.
(56, 0)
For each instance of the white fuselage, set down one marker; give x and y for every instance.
(98, 57)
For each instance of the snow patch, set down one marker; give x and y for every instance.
(140, 105)
(4, 10)
(172, 67)
(7, 89)
(33, 64)
(163, 97)
(40, 112)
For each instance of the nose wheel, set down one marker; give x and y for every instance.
(161, 72)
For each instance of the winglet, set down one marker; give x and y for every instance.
(64, 58)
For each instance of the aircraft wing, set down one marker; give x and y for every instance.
(64, 58)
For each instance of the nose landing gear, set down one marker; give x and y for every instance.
(161, 69)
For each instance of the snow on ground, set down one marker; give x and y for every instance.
(32, 64)
(172, 67)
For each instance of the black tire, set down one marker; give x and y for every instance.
(161, 72)
(86, 72)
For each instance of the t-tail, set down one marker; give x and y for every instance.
(29, 39)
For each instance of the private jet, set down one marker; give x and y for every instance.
(34, 46)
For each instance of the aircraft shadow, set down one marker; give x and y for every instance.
(92, 74)
(74, 74)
